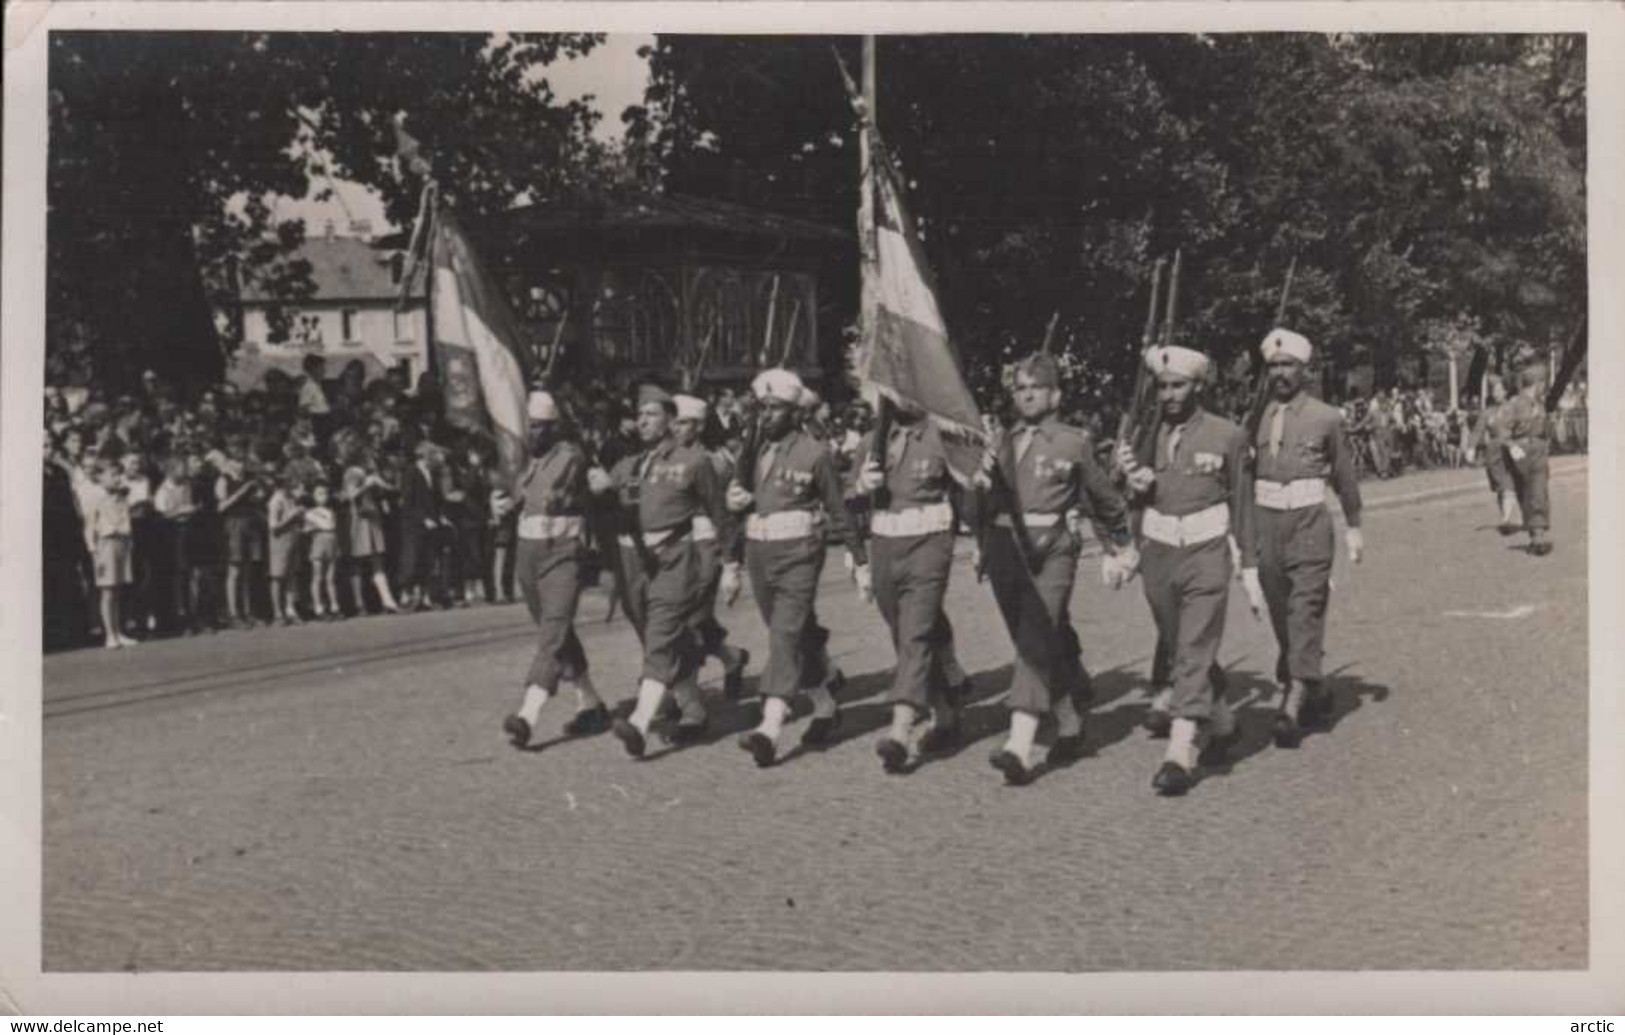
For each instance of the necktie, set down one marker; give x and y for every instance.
(1173, 445)
(1023, 440)
(1277, 429)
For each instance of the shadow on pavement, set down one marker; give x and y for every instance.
(1257, 725)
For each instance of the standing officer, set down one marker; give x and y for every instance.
(547, 568)
(691, 413)
(1196, 491)
(797, 495)
(911, 552)
(1300, 444)
(660, 571)
(1526, 451)
(1050, 481)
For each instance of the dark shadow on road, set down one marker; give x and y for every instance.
(1257, 724)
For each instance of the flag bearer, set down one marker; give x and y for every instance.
(911, 552)
(797, 496)
(660, 490)
(1196, 490)
(1300, 445)
(1051, 483)
(553, 489)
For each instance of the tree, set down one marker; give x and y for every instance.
(152, 134)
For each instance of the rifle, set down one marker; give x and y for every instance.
(1261, 394)
(1128, 425)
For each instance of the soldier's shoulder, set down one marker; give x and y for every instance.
(1073, 434)
(1224, 428)
(1319, 409)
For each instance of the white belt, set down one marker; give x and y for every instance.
(1031, 520)
(546, 526)
(933, 517)
(704, 530)
(650, 539)
(1305, 492)
(1187, 529)
(786, 524)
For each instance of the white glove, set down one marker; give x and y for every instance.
(729, 586)
(871, 478)
(1255, 592)
(1140, 479)
(738, 498)
(598, 480)
(1129, 557)
(1356, 544)
(1516, 451)
(866, 586)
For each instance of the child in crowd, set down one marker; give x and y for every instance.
(286, 520)
(173, 502)
(321, 526)
(239, 495)
(110, 546)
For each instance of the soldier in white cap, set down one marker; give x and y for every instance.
(554, 492)
(1195, 488)
(1301, 445)
(687, 429)
(796, 497)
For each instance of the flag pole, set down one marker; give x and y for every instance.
(869, 260)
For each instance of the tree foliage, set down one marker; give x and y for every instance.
(1431, 187)
(151, 134)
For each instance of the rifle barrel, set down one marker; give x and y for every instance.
(1172, 318)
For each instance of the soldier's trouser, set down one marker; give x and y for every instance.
(1495, 466)
(661, 605)
(1188, 588)
(784, 580)
(910, 580)
(711, 632)
(1530, 477)
(1295, 549)
(1035, 610)
(814, 651)
(547, 571)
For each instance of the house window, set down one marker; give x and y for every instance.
(403, 326)
(349, 318)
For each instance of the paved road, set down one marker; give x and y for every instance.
(341, 797)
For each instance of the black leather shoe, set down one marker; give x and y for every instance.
(760, 747)
(733, 680)
(938, 739)
(518, 731)
(690, 732)
(587, 722)
(1172, 780)
(1016, 773)
(629, 737)
(1066, 749)
(1288, 734)
(821, 730)
(893, 756)
(1157, 723)
(1541, 548)
(1508, 529)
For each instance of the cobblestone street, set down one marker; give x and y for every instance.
(341, 797)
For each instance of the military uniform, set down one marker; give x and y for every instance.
(1526, 430)
(797, 497)
(1202, 495)
(911, 552)
(1299, 448)
(660, 568)
(708, 540)
(1051, 471)
(547, 560)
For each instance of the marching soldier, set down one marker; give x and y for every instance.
(547, 562)
(1300, 444)
(1050, 482)
(797, 495)
(1492, 439)
(1526, 452)
(1196, 491)
(911, 552)
(660, 571)
(691, 413)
